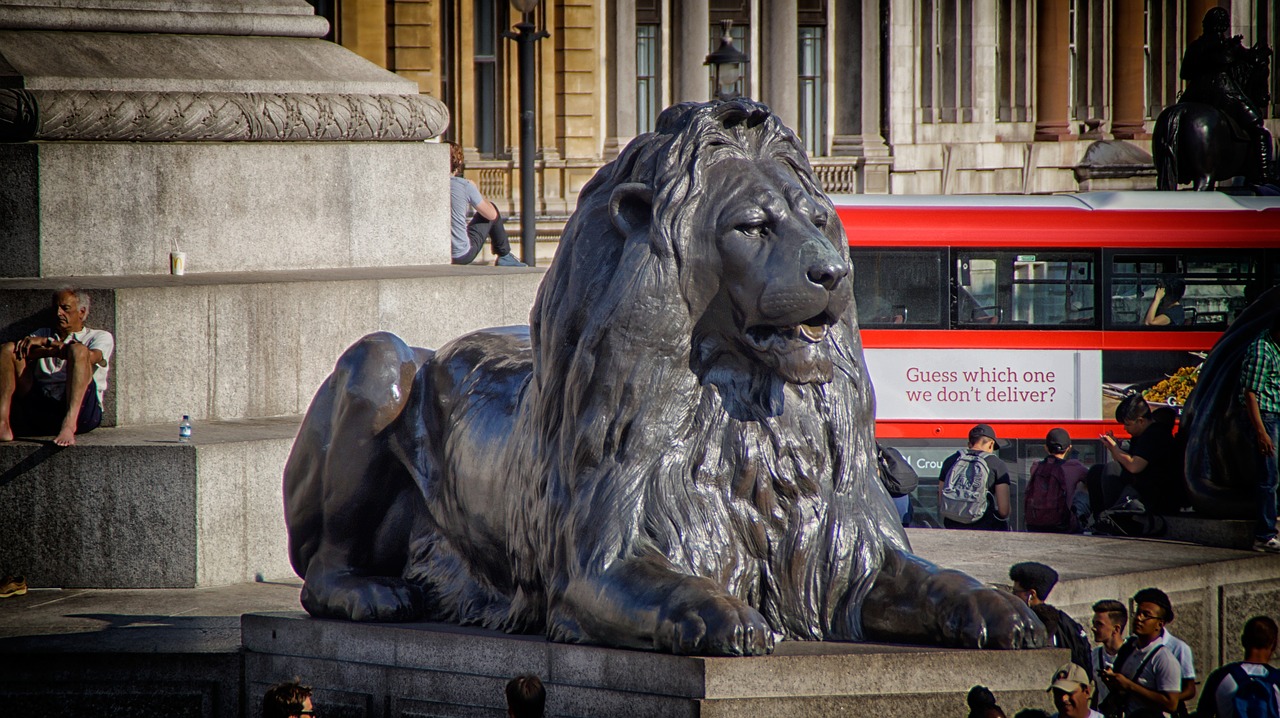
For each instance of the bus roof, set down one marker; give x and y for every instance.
(1193, 201)
(1145, 220)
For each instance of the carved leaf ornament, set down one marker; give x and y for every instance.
(217, 116)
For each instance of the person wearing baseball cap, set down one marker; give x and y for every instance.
(973, 485)
(1056, 498)
(1071, 689)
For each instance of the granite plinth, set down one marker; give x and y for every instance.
(119, 208)
(254, 344)
(133, 508)
(437, 670)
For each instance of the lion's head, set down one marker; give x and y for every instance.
(720, 206)
(697, 363)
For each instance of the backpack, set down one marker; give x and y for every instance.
(1047, 505)
(1255, 695)
(1071, 635)
(964, 488)
(895, 472)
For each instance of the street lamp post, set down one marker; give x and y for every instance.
(525, 36)
(727, 62)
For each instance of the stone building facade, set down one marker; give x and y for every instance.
(890, 96)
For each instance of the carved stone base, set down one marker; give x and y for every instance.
(447, 671)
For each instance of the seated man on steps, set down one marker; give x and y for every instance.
(52, 381)
(468, 237)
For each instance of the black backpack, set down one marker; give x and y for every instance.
(1071, 635)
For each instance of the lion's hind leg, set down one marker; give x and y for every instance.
(349, 505)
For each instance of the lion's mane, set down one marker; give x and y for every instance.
(631, 442)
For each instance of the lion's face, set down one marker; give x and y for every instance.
(782, 282)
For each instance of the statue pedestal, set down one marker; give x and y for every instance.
(439, 670)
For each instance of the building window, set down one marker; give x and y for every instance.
(813, 82)
(1161, 54)
(490, 19)
(648, 71)
(1013, 50)
(946, 60)
(1089, 28)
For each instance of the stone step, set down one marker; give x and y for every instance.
(229, 206)
(1223, 533)
(237, 345)
(133, 508)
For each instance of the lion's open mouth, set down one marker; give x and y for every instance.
(780, 339)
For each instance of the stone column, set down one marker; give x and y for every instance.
(1128, 79)
(622, 84)
(779, 39)
(856, 80)
(1052, 56)
(691, 52)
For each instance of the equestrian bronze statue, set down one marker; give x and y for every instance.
(677, 454)
(1216, 130)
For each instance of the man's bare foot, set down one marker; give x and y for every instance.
(6, 434)
(66, 437)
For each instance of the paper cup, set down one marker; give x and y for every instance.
(177, 263)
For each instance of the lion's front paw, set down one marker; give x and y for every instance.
(361, 598)
(990, 618)
(713, 625)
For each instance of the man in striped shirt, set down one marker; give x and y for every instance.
(1260, 382)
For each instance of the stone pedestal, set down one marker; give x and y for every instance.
(447, 671)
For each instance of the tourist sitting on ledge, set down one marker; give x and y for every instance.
(1149, 467)
(52, 381)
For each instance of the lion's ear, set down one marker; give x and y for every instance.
(630, 207)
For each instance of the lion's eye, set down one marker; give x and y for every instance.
(752, 230)
(819, 219)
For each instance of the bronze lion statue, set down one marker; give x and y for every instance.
(676, 455)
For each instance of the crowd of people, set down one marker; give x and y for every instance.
(1148, 674)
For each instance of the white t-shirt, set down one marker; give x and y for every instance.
(1180, 651)
(1101, 660)
(1225, 696)
(1161, 674)
(1092, 714)
(54, 371)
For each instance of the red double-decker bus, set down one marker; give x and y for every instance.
(1029, 313)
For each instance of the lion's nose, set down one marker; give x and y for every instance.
(828, 274)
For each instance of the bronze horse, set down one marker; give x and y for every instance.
(1198, 143)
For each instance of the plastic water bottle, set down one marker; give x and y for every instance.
(184, 430)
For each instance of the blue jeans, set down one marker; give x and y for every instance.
(1267, 473)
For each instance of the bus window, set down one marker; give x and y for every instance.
(898, 288)
(1217, 290)
(1049, 290)
(1040, 289)
(1216, 287)
(1133, 285)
